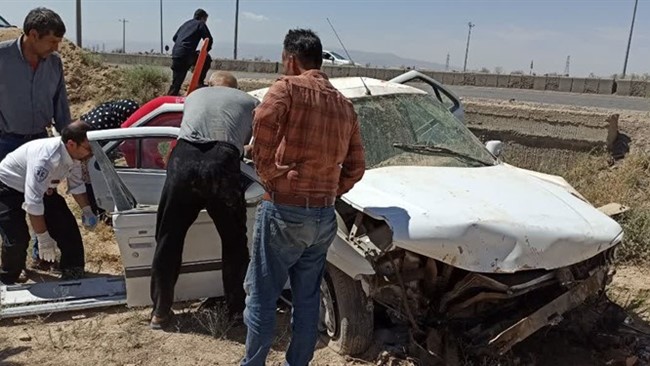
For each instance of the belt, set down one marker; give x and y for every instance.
(301, 201)
(16, 136)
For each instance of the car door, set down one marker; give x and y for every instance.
(134, 226)
(434, 88)
(140, 161)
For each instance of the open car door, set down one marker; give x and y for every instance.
(134, 225)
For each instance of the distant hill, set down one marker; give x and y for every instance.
(273, 53)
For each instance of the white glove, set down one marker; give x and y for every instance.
(88, 218)
(46, 247)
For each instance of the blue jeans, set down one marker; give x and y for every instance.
(289, 243)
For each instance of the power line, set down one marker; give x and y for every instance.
(124, 21)
(469, 34)
(629, 41)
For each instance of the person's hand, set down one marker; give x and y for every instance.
(46, 247)
(88, 218)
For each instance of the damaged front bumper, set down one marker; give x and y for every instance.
(551, 313)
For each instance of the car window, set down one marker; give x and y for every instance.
(142, 153)
(169, 119)
(414, 119)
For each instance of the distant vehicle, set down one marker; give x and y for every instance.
(333, 58)
(4, 23)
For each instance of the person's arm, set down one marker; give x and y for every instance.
(36, 184)
(77, 188)
(205, 33)
(354, 164)
(62, 116)
(268, 128)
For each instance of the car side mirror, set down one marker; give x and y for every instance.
(495, 147)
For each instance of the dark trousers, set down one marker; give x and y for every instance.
(61, 225)
(200, 176)
(180, 66)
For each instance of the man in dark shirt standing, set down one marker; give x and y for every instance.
(32, 87)
(184, 53)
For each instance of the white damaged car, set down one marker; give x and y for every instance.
(439, 234)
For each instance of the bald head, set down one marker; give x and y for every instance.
(223, 78)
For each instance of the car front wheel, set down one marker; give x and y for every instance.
(346, 313)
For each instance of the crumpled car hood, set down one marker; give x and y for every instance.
(489, 219)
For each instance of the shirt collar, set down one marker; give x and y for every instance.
(19, 43)
(65, 155)
(315, 73)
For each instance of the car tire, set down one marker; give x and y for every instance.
(349, 313)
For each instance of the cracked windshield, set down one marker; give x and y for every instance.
(425, 132)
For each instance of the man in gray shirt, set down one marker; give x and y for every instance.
(204, 172)
(32, 87)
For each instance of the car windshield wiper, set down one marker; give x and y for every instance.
(436, 150)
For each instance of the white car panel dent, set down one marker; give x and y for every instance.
(490, 219)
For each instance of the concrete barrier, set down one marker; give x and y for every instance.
(491, 80)
(515, 81)
(605, 86)
(578, 85)
(551, 83)
(539, 82)
(638, 88)
(447, 78)
(503, 81)
(591, 85)
(624, 87)
(565, 85)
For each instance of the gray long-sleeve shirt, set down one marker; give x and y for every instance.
(30, 99)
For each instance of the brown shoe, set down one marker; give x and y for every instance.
(159, 322)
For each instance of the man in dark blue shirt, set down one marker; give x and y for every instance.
(32, 87)
(184, 54)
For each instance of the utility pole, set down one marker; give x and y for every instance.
(469, 34)
(567, 66)
(79, 23)
(124, 21)
(234, 53)
(161, 28)
(629, 41)
(447, 63)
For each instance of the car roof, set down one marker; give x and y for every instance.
(353, 87)
(350, 87)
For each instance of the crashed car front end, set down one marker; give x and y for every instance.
(487, 312)
(487, 274)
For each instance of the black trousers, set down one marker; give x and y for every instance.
(60, 222)
(200, 176)
(180, 66)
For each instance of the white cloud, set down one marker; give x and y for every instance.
(254, 17)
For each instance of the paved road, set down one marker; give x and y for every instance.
(549, 97)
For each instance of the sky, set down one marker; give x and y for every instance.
(507, 33)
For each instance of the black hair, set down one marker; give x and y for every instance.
(200, 14)
(76, 131)
(44, 21)
(305, 45)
